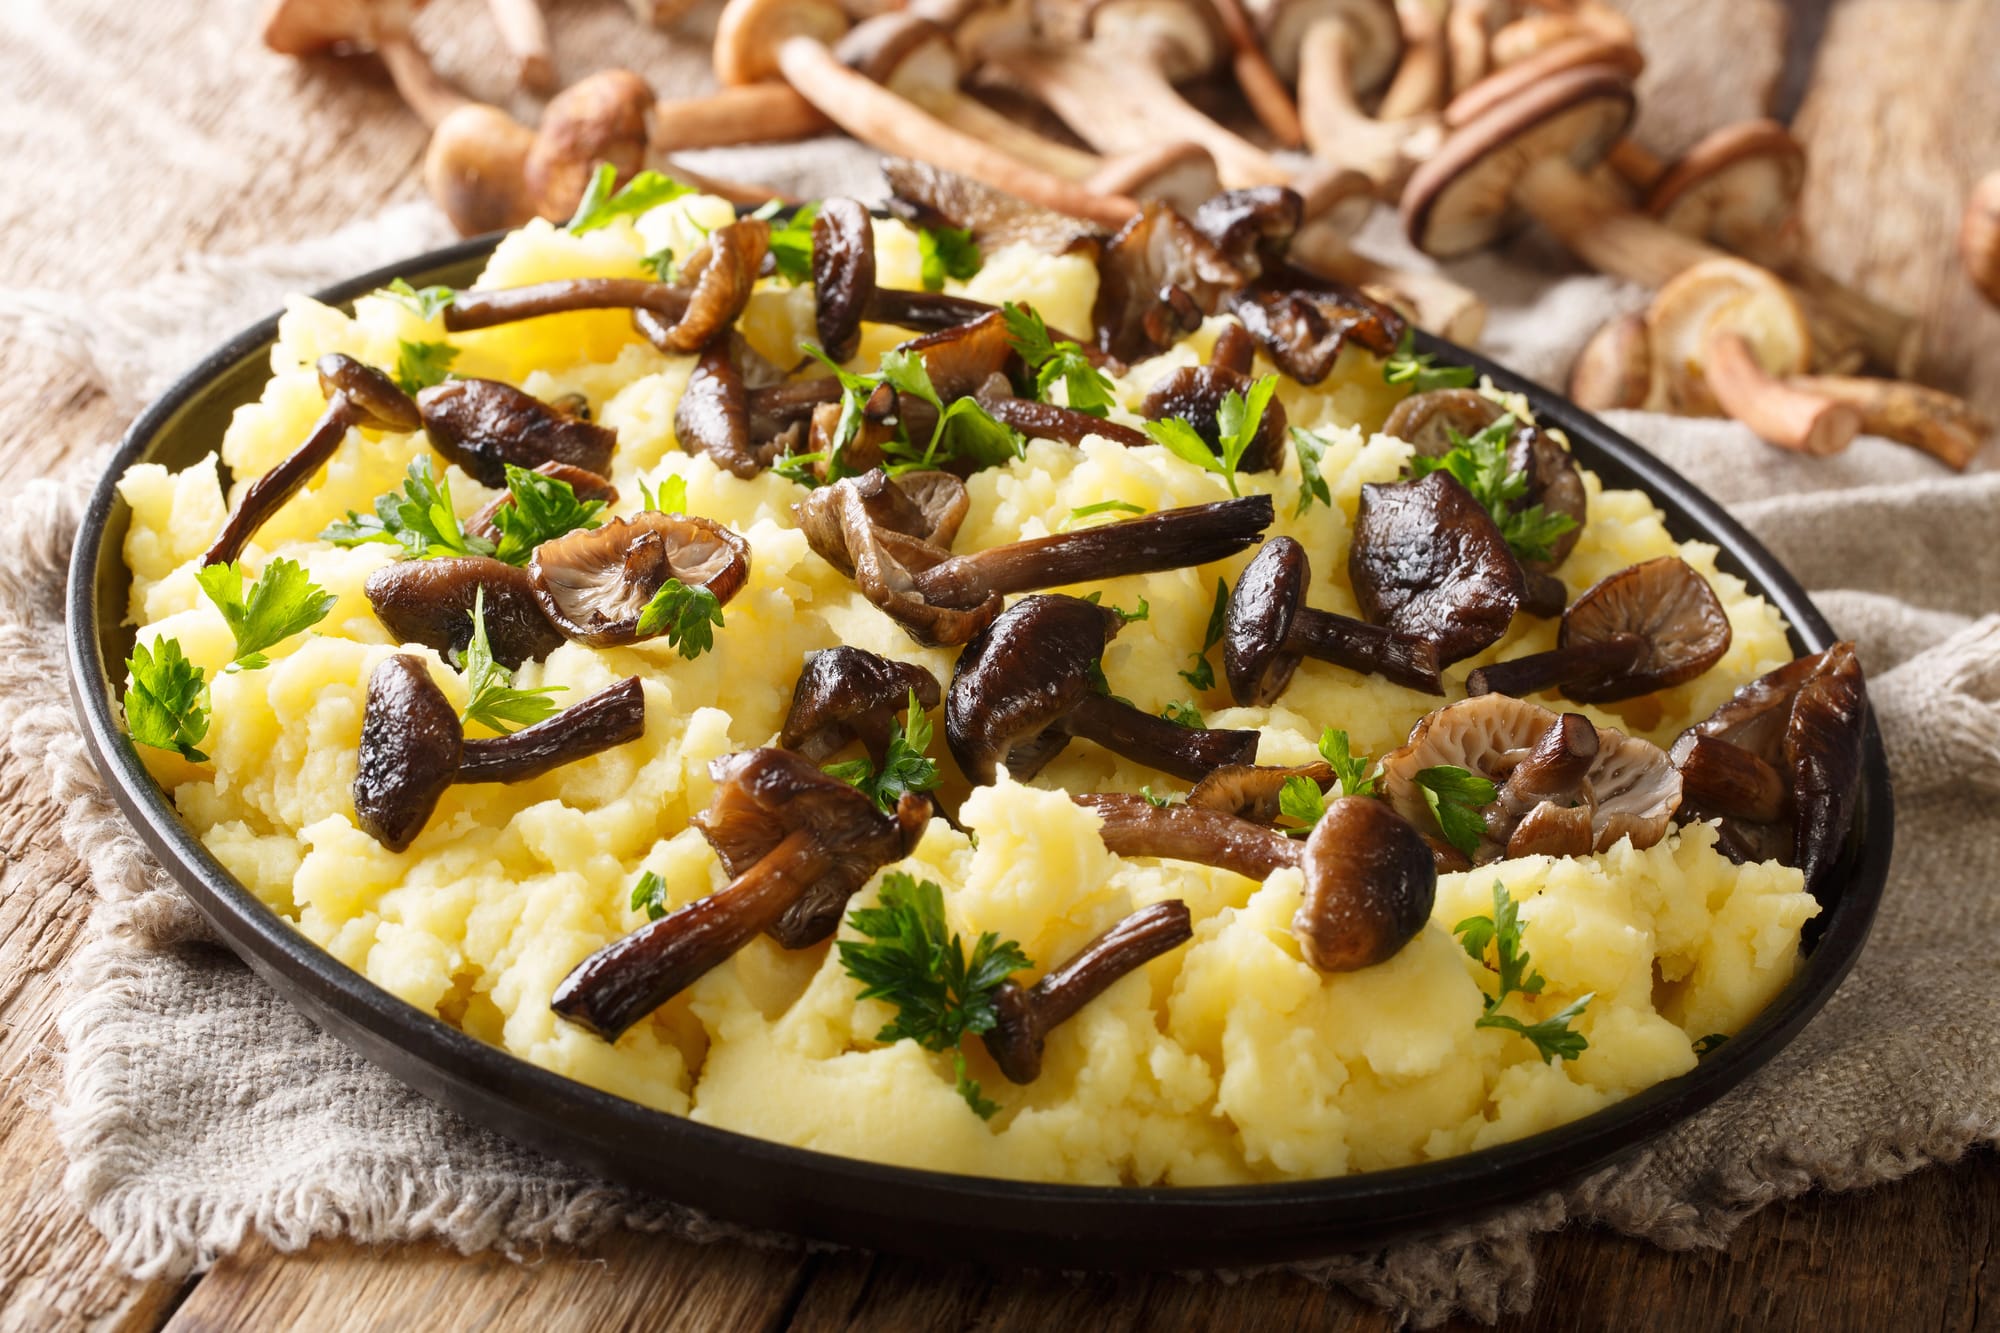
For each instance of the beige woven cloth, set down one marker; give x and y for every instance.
(198, 1107)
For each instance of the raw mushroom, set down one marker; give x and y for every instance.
(1650, 626)
(1338, 52)
(472, 169)
(605, 118)
(431, 602)
(759, 41)
(845, 694)
(524, 32)
(1027, 684)
(483, 425)
(586, 484)
(356, 395)
(1428, 561)
(1370, 879)
(1270, 629)
(1023, 1016)
(413, 746)
(797, 844)
(1257, 79)
(1572, 52)
(320, 27)
(594, 583)
(718, 278)
(1254, 791)
(1615, 368)
(1422, 78)
(1979, 237)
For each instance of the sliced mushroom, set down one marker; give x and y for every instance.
(1428, 561)
(356, 395)
(1195, 395)
(719, 278)
(411, 743)
(583, 483)
(1157, 279)
(1649, 626)
(431, 601)
(845, 694)
(1023, 1016)
(1027, 684)
(1370, 879)
(1253, 791)
(1270, 629)
(594, 583)
(483, 425)
(611, 717)
(797, 844)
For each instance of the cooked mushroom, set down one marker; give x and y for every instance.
(1195, 395)
(1550, 777)
(431, 601)
(585, 484)
(483, 425)
(926, 508)
(1428, 561)
(1023, 1016)
(1270, 629)
(476, 309)
(845, 694)
(1647, 627)
(713, 415)
(1254, 791)
(1157, 279)
(933, 195)
(1979, 236)
(797, 844)
(323, 27)
(1370, 880)
(411, 743)
(1555, 483)
(719, 276)
(1048, 421)
(611, 717)
(356, 395)
(1630, 788)
(1028, 683)
(845, 292)
(1722, 778)
(1427, 421)
(594, 583)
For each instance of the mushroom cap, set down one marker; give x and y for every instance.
(843, 267)
(1256, 656)
(1428, 560)
(961, 358)
(1374, 36)
(1370, 883)
(748, 34)
(997, 219)
(713, 415)
(842, 692)
(1303, 328)
(840, 523)
(1251, 227)
(1510, 81)
(1738, 187)
(603, 117)
(1181, 174)
(1672, 611)
(483, 425)
(722, 274)
(1425, 421)
(594, 583)
(764, 796)
(430, 602)
(1195, 394)
(473, 169)
(1018, 679)
(1462, 198)
(1555, 483)
(925, 507)
(411, 742)
(1157, 278)
(1185, 37)
(379, 400)
(904, 52)
(1251, 791)
(312, 27)
(1615, 368)
(1713, 297)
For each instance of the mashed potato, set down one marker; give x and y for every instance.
(1227, 1060)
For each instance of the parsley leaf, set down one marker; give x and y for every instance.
(420, 365)
(492, 699)
(1086, 388)
(906, 767)
(649, 894)
(1480, 464)
(792, 245)
(946, 252)
(1312, 481)
(282, 602)
(941, 996)
(425, 302)
(599, 206)
(1352, 771)
(166, 705)
(544, 508)
(1419, 370)
(1105, 507)
(421, 520)
(671, 498)
(1501, 931)
(1455, 797)
(1183, 713)
(685, 615)
(1301, 800)
(1145, 611)
(1156, 801)
(965, 431)
(1202, 674)
(1236, 423)
(661, 264)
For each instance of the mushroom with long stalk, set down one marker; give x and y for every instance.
(1338, 52)
(524, 32)
(485, 425)
(797, 843)
(597, 585)
(431, 602)
(1269, 630)
(1427, 560)
(318, 27)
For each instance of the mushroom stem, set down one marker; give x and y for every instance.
(282, 482)
(524, 31)
(1405, 659)
(1189, 753)
(1436, 303)
(609, 718)
(474, 309)
(752, 113)
(1337, 130)
(1791, 418)
(926, 312)
(1259, 83)
(1420, 82)
(1722, 778)
(1938, 423)
(1170, 539)
(1553, 771)
(1540, 672)
(1466, 42)
(1134, 826)
(1047, 421)
(427, 92)
(631, 977)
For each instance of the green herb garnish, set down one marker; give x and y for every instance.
(420, 365)
(1312, 481)
(543, 509)
(671, 498)
(1356, 774)
(601, 205)
(661, 264)
(1502, 932)
(1183, 713)
(1202, 674)
(1236, 423)
(425, 302)
(1480, 464)
(1105, 507)
(792, 245)
(492, 700)
(906, 765)
(685, 615)
(946, 252)
(421, 520)
(1086, 388)
(1145, 611)
(1419, 370)
(283, 601)
(649, 895)
(1157, 801)
(166, 705)
(1455, 797)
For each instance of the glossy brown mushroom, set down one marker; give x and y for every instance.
(713, 415)
(1254, 791)
(845, 694)
(1270, 629)
(1428, 561)
(1028, 684)
(932, 196)
(1303, 327)
(1427, 421)
(1194, 394)
(1722, 778)
(718, 279)
(484, 309)
(611, 717)
(1050, 421)
(431, 602)
(1551, 775)
(1650, 626)
(1370, 879)
(797, 844)
(843, 267)
(410, 747)
(1157, 279)
(356, 395)
(483, 425)
(594, 583)
(1025, 1015)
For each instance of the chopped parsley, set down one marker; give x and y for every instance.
(1419, 370)
(671, 498)
(1301, 799)
(1105, 507)
(1157, 801)
(1455, 797)
(1480, 464)
(906, 765)
(420, 365)
(661, 264)
(946, 252)
(1202, 674)
(649, 895)
(283, 601)
(601, 204)
(166, 705)
(685, 615)
(492, 701)
(965, 432)
(1236, 423)
(424, 302)
(1145, 611)
(1312, 479)
(421, 520)
(1501, 932)
(543, 509)
(1086, 388)
(792, 245)
(1183, 713)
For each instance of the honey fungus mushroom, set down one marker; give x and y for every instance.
(847, 694)
(797, 845)
(483, 425)
(1370, 879)
(1427, 560)
(594, 583)
(1269, 630)
(431, 602)
(1028, 684)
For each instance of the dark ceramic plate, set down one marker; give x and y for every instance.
(759, 1184)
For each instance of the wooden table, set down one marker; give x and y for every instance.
(158, 136)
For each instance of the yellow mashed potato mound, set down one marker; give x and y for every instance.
(1227, 1060)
